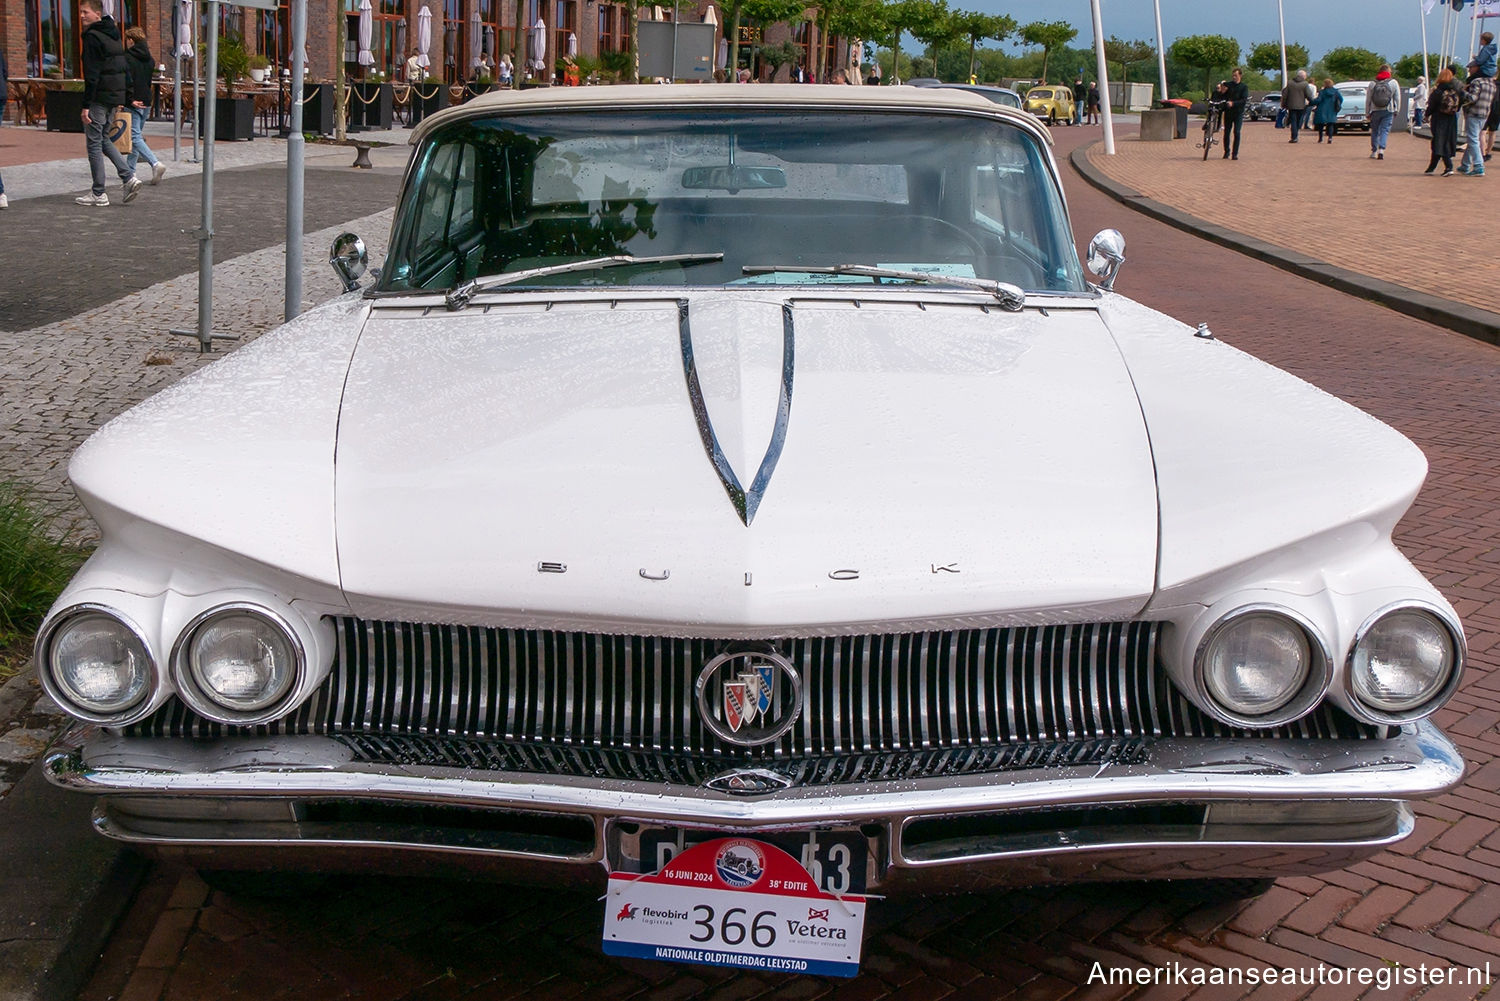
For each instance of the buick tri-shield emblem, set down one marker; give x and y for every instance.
(749, 697)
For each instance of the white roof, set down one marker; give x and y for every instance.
(783, 95)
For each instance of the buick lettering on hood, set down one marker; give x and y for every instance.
(752, 463)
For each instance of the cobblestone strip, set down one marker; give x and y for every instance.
(61, 382)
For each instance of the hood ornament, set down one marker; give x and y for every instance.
(745, 501)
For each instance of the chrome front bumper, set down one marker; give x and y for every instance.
(1195, 808)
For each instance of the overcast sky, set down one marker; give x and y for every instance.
(1392, 28)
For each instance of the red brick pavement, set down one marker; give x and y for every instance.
(27, 144)
(1434, 902)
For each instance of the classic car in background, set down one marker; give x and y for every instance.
(1267, 107)
(1052, 103)
(753, 462)
(1000, 95)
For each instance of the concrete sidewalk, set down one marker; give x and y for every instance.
(1380, 229)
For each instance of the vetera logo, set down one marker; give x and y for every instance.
(749, 697)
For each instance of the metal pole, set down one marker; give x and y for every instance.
(1281, 20)
(1473, 35)
(338, 71)
(1161, 52)
(206, 228)
(1109, 121)
(197, 87)
(1426, 70)
(176, 88)
(294, 168)
(673, 73)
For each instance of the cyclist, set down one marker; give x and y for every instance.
(1236, 97)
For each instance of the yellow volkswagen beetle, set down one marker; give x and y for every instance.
(1053, 102)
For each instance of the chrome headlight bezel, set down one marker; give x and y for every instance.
(1374, 714)
(1303, 700)
(198, 696)
(141, 707)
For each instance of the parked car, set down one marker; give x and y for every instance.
(750, 461)
(1352, 114)
(1267, 107)
(1052, 103)
(1000, 95)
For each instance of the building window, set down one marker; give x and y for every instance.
(273, 35)
(51, 42)
(455, 42)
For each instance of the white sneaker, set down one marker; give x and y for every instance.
(132, 188)
(4, 202)
(100, 200)
(158, 172)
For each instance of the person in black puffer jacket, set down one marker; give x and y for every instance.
(140, 64)
(105, 80)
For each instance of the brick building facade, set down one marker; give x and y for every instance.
(41, 37)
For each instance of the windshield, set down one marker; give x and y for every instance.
(943, 194)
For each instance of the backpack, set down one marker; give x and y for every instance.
(1449, 101)
(1381, 95)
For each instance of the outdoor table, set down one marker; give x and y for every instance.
(30, 95)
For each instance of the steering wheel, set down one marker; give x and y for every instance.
(969, 239)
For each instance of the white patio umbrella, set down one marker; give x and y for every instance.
(366, 27)
(424, 36)
(109, 8)
(476, 36)
(185, 29)
(489, 42)
(538, 45)
(723, 59)
(572, 46)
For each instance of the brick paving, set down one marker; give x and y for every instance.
(1383, 218)
(1432, 902)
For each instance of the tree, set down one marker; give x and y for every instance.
(865, 19)
(1410, 67)
(979, 27)
(1351, 63)
(1266, 57)
(779, 55)
(1206, 53)
(915, 16)
(937, 30)
(761, 11)
(1117, 50)
(1049, 35)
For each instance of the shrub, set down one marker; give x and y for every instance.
(36, 562)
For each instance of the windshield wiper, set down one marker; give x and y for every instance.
(458, 297)
(1012, 297)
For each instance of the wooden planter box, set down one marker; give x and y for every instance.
(234, 119)
(370, 106)
(427, 98)
(64, 111)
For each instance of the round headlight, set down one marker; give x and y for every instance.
(1402, 661)
(98, 664)
(240, 660)
(1255, 663)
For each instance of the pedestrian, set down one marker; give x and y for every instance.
(415, 71)
(507, 71)
(875, 73)
(1486, 54)
(1491, 123)
(1479, 96)
(1419, 102)
(1093, 102)
(743, 76)
(105, 82)
(1080, 98)
(1326, 110)
(483, 71)
(1382, 98)
(1443, 105)
(1295, 98)
(139, 66)
(1236, 98)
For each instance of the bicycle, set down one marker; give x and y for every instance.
(1211, 125)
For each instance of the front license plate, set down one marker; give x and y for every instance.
(738, 903)
(837, 861)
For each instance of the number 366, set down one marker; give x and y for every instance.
(731, 932)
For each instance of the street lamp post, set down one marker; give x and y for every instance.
(1281, 20)
(1161, 51)
(1109, 121)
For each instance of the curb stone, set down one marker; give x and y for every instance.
(65, 889)
(1479, 324)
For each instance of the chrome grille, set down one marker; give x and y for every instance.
(912, 693)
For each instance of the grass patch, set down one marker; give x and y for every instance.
(37, 559)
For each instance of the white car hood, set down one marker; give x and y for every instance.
(939, 463)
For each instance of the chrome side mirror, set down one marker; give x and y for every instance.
(348, 257)
(1106, 254)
